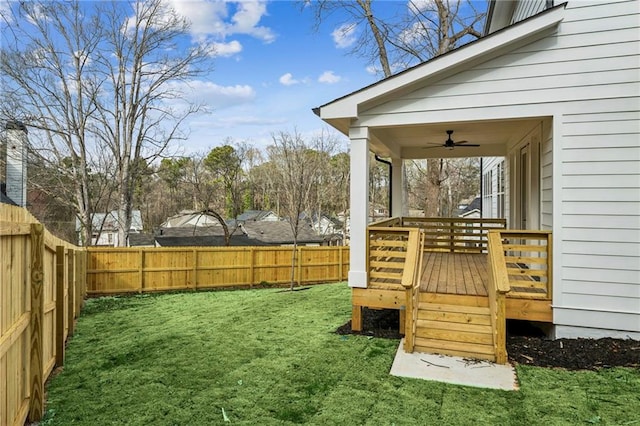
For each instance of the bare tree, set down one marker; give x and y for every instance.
(420, 31)
(48, 83)
(143, 63)
(297, 163)
(92, 78)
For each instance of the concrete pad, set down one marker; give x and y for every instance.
(453, 369)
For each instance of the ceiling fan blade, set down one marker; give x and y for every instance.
(470, 144)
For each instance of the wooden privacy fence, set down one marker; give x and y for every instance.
(41, 291)
(136, 270)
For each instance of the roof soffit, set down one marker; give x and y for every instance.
(341, 112)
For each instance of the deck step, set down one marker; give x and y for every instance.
(454, 348)
(455, 325)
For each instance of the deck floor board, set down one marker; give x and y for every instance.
(454, 273)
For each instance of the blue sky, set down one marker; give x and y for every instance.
(270, 71)
(270, 68)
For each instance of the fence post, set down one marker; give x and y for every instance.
(251, 266)
(340, 268)
(79, 281)
(61, 270)
(195, 269)
(83, 275)
(141, 270)
(71, 289)
(36, 368)
(299, 265)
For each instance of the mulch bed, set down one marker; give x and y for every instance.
(526, 344)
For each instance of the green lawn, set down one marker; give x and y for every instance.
(267, 357)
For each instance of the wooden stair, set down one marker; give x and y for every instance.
(455, 325)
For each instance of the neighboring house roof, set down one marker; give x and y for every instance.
(202, 236)
(255, 215)
(141, 240)
(190, 218)
(280, 232)
(109, 221)
(315, 218)
(474, 206)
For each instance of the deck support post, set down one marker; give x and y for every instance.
(356, 318)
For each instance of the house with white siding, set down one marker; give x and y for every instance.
(549, 98)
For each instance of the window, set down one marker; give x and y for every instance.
(500, 189)
(487, 191)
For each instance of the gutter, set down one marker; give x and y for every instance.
(388, 163)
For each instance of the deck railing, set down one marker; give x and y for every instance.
(528, 260)
(387, 253)
(411, 283)
(497, 288)
(457, 234)
(520, 265)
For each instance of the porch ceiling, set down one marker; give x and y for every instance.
(411, 141)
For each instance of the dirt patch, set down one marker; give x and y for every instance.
(526, 344)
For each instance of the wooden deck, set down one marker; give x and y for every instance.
(456, 282)
(465, 274)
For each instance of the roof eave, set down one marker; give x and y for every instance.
(340, 112)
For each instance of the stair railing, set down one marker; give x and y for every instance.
(411, 282)
(497, 288)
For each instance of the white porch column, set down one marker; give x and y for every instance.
(398, 202)
(359, 206)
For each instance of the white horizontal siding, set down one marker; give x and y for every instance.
(587, 276)
(597, 289)
(602, 248)
(628, 166)
(603, 302)
(588, 220)
(575, 322)
(600, 209)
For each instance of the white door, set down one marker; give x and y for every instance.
(525, 182)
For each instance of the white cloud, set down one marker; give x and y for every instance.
(416, 33)
(344, 36)
(421, 6)
(215, 96)
(213, 21)
(329, 77)
(247, 18)
(226, 49)
(206, 17)
(288, 80)
(213, 18)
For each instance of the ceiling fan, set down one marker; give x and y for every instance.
(450, 144)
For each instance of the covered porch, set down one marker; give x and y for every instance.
(456, 281)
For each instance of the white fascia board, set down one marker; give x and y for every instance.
(347, 107)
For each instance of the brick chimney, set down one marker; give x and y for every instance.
(16, 165)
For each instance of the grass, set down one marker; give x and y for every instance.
(269, 357)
